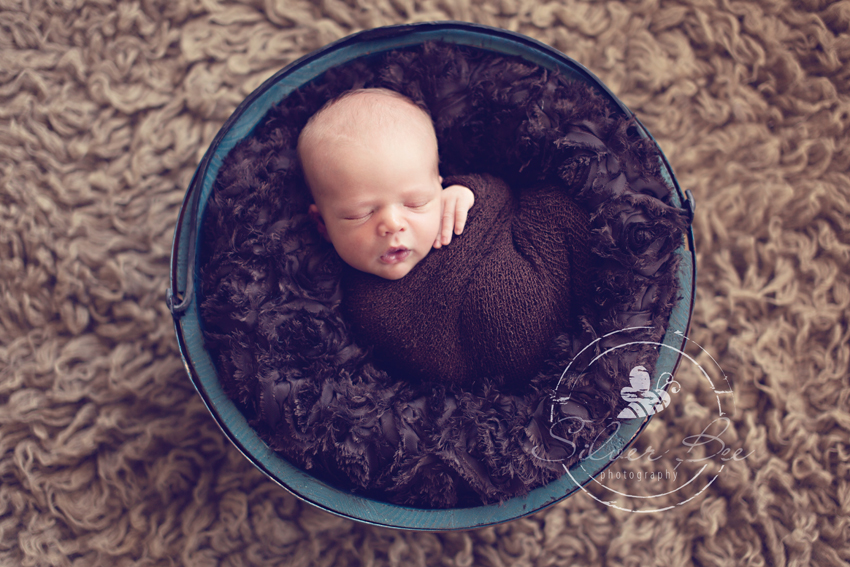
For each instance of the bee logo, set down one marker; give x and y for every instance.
(643, 401)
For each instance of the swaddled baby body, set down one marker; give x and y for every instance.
(486, 306)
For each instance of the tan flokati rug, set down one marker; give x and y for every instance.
(107, 455)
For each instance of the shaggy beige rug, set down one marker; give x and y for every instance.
(107, 454)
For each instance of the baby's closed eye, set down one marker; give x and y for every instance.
(358, 216)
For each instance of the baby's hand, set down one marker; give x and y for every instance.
(456, 202)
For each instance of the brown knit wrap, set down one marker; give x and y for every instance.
(489, 304)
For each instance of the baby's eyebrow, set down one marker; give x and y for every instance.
(356, 204)
(419, 192)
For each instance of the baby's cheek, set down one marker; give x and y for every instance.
(436, 222)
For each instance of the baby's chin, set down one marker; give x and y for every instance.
(396, 272)
(393, 277)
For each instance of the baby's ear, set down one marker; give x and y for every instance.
(320, 223)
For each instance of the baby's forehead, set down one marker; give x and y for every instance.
(370, 102)
(366, 113)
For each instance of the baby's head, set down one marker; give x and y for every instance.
(370, 160)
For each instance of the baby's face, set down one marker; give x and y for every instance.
(379, 201)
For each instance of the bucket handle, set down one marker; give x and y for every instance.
(176, 300)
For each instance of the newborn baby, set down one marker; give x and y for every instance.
(489, 305)
(370, 160)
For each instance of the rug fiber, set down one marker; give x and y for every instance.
(109, 457)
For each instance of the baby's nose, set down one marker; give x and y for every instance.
(391, 221)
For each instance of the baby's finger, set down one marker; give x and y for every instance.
(447, 224)
(460, 219)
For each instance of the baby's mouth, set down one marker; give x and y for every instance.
(395, 255)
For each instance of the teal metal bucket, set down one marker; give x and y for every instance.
(183, 302)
